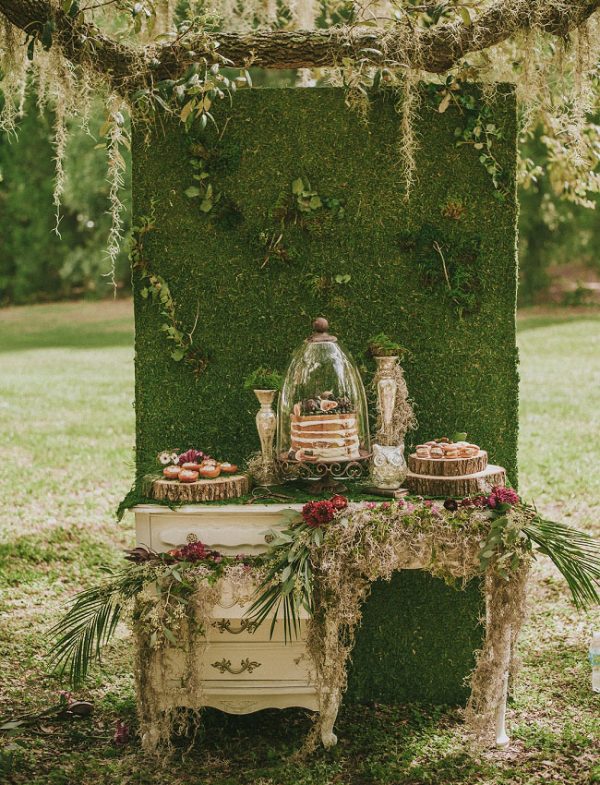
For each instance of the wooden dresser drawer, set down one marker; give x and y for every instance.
(266, 661)
(232, 630)
(228, 528)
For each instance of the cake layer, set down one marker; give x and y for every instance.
(312, 441)
(323, 424)
(335, 453)
(339, 433)
(326, 437)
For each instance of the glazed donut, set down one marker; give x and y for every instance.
(187, 475)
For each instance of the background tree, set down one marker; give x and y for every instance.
(179, 56)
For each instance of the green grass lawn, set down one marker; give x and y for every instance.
(66, 417)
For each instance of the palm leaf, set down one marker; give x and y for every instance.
(278, 590)
(90, 623)
(575, 554)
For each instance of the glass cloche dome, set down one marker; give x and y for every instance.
(322, 412)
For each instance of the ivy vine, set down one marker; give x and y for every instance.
(295, 207)
(157, 290)
(478, 129)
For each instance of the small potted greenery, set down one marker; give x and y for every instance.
(265, 384)
(381, 345)
(263, 379)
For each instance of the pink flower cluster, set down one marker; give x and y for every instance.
(191, 456)
(497, 497)
(318, 514)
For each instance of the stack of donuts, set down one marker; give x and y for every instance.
(439, 449)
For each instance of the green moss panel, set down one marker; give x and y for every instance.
(462, 369)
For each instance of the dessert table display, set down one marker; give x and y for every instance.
(250, 606)
(269, 543)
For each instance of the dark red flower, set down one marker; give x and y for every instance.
(339, 502)
(121, 734)
(504, 496)
(195, 551)
(317, 514)
(451, 504)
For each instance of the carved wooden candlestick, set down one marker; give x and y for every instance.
(387, 389)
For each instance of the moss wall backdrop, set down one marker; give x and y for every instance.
(377, 265)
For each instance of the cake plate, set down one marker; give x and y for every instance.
(325, 475)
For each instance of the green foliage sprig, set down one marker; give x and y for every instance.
(507, 529)
(263, 379)
(287, 585)
(575, 554)
(478, 129)
(381, 345)
(157, 290)
(507, 542)
(90, 622)
(295, 207)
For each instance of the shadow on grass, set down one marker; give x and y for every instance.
(377, 744)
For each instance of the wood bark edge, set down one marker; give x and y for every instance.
(219, 489)
(434, 50)
(471, 485)
(448, 467)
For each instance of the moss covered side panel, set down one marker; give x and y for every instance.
(462, 372)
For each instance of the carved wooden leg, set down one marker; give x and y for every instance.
(150, 740)
(502, 739)
(329, 712)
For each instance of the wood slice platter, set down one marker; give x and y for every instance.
(227, 486)
(448, 467)
(465, 485)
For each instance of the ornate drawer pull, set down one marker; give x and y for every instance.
(245, 665)
(269, 538)
(224, 625)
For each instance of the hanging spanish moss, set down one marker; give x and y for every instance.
(548, 48)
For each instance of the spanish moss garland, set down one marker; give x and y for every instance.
(325, 563)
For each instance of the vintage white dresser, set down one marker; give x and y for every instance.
(244, 670)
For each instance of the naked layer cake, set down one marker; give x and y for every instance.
(324, 428)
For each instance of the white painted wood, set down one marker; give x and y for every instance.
(143, 534)
(502, 738)
(229, 528)
(241, 670)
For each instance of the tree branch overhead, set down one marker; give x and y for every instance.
(433, 50)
